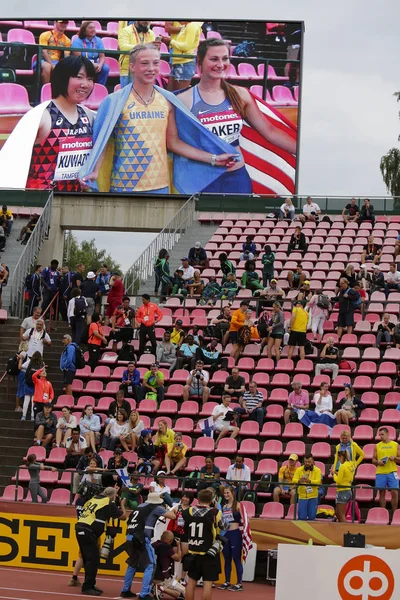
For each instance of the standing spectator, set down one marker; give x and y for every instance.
(175, 456)
(311, 211)
(344, 480)
(75, 446)
(285, 478)
(323, 400)
(35, 288)
(162, 274)
(238, 471)
(392, 280)
(44, 392)
(55, 37)
(34, 469)
(115, 295)
(209, 475)
(349, 274)
(198, 256)
(275, 330)
(77, 311)
(298, 399)
(347, 300)
(356, 453)
(250, 278)
(77, 276)
(147, 316)
(90, 426)
(238, 321)
(232, 549)
(130, 381)
(371, 251)
(350, 407)
(296, 278)
(319, 313)
(222, 425)
(367, 213)
(188, 271)
(122, 323)
(196, 383)
(252, 404)
(268, 259)
(50, 280)
(64, 290)
(90, 42)
(235, 385)
(184, 45)
(29, 367)
(116, 432)
(96, 339)
(7, 217)
(30, 322)
(287, 210)
(37, 338)
(386, 458)
(166, 350)
(249, 249)
(91, 292)
(298, 330)
(351, 212)
(153, 384)
(103, 281)
(65, 424)
(385, 331)
(226, 266)
(309, 477)
(130, 36)
(68, 363)
(210, 355)
(328, 359)
(45, 426)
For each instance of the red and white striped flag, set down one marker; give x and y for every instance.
(271, 169)
(246, 533)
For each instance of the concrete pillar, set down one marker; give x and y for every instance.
(53, 247)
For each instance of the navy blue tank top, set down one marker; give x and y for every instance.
(221, 119)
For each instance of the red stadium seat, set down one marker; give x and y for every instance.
(189, 407)
(223, 463)
(319, 432)
(114, 66)
(227, 446)
(272, 510)
(148, 407)
(280, 395)
(377, 516)
(57, 456)
(391, 399)
(168, 407)
(83, 401)
(369, 415)
(293, 430)
(94, 387)
(207, 409)
(60, 496)
(274, 411)
(194, 463)
(249, 447)
(285, 365)
(382, 383)
(249, 507)
(104, 404)
(250, 428)
(265, 364)
(366, 472)
(272, 448)
(204, 445)
(9, 494)
(267, 465)
(175, 390)
(40, 452)
(363, 432)
(184, 425)
(395, 518)
(65, 400)
(390, 415)
(295, 447)
(321, 450)
(271, 429)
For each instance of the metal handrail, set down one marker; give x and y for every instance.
(51, 317)
(142, 268)
(28, 258)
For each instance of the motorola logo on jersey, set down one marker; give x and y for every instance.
(366, 578)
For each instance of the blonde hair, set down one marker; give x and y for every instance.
(134, 53)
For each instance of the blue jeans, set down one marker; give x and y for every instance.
(102, 76)
(147, 575)
(291, 214)
(307, 509)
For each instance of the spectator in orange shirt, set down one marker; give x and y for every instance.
(44, 393)
(147, 316)
(55, 37)
(237, 322)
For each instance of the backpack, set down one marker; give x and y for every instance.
(323, 301)
(250, 496)
(244, 335)
(12, 366)
(28, 375)
(28, 282)
(245, 48)
(357, 302)
(308, 348)
(7, 76)
(127, 353)
(79, 359)
(192, 481)
(15, 57)
(349, 511)
(80, 309)
(264, 485)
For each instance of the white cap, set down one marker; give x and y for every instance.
(91, 275)
(197, 245)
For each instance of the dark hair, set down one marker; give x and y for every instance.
(82, 29)
(234, 501)
(88, 451)
(189, 495)
(125, 298)
(223, 256)
(76, 292)
(65, 69)
(267, 248)
(230, 91)
(209, 457)
(163, 253)
(382, 428)
(308, 455)
(76, 429)
(344, 454)
(248, 264)
(30, 459)
(54, 262)
(96, 317)
(67, 407)
(37, 267)
(85, 407)
(146, 296)
(122, 412)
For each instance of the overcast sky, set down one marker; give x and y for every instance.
(350, 72)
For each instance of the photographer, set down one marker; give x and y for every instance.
(224, 419)
(167, 550)
(196, 383)
(175, 456)
(90, 526)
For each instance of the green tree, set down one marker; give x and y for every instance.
(390, 169)
(89, 255)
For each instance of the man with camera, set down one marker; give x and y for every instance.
(175, 456)
(311, 211)
(196, 383)
(224, 419)
(89, 527)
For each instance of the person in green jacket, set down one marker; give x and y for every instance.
(268, 259)
(211, 290)
(226, 266)
(229, 288)
(162, 273)
(250, 277)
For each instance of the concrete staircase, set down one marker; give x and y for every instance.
(16, 436)
(195, 233)
(10, 256)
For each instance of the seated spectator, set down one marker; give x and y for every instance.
(238, 472)
(311, 211)
(268, 260)
(298, 329)
(4, 274)
(319, 313)
(271, 293)
(298, 399)
(178, 284)
(28, 367)
(122, 323)
(351, 212)
(209, 355)
(147, 462)
(226, 266)
(175, 456)
(371, 251)
(34, 469)
(55, 37)
(221, 325)
(90, 426)
(349, 274)
(198, 256)
(224, 419)
(323, 400)
(305, 294)
(3, 237)
(116, 405)
(237, 323)
(43, 390)
(211, 290)
(88, 40)
(37, 338)
(298, 241)
(367, 213)
(250, 278)
(356, 453)
(27, 230)
(163, 437)
(235, 385)
(130, 381)
(385, 331)
(229, 288)
(116, 432)
(166, 350)
(209, 475)
(195, 288)
(96, 339)
(64, 427)
(92, 475)
(197, 335)
(117, 461)
(310, 477)
(323, 409)
(30, 322)
(376, 279)
(188, 271)
(363, 299)
(196, 383)
(158, 486)
(287, 210)
(136, 426)
(285, 477)
(45, 426)
(249, 249)
(328, 359)
(397, 246)
(131, 496)
(153, 384)
(347, 299)
(186, 354)
(252, 404)
(7, 218)
(75, 446)
(76, 313)
(392, 280)
(350, 406)
(85, 459)
(296, 278)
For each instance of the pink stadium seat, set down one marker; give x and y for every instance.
(390, 415)
(195, 462)
(94, 387)
(362, 382)
(204, 445)
(261, 379)
(77, 386)
(207, 409)
(28, 497)
(227, 446)
(189, 407)
(84, 400)
(249, 447)
(265, 364)
(363, 432)
(249, 507)
(250, 428)
(383, 383)
(285, 365)
(9, 494)
(184, 425)
(60, 496)
(280, 379)
(13, 99)
(168, 407)
(148, 407)
(293, 430)
(387, 368)
(366, 472)
(274, 411)
(247, 71)
(392, 399)
(321, 450)
(295, 447)
(272, 510)
(364, 493)
(97, 96)
(175, 390)
(369, 415)
(104, 404)
(267, 465)
(377, 516)
(395, 518)
(65, 400)
(56, 456)
(110, 43)
(319, 432)
(272, 448)
(20, 35)
(271, 429)
(40, 452)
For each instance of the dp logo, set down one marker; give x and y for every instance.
(366, 578)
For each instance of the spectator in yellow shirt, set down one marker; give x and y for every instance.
(175, 456)
(285, 477)
(6, 219)
(163, 437)
(386, 458)
(298, 329)
(344, 480)
(356, 454)
(184, 44)
(309, 477)
(55, 37)
(129, 37)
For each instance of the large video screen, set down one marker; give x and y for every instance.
(150, 107)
